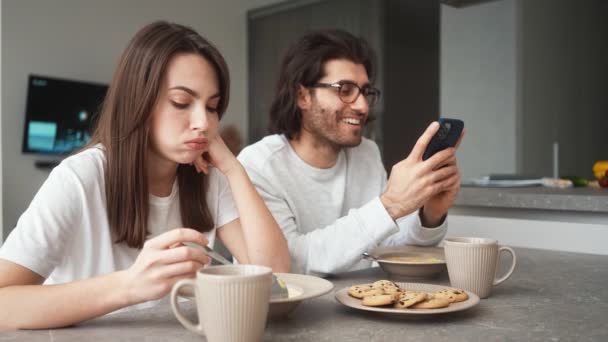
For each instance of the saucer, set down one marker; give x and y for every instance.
(300, 287)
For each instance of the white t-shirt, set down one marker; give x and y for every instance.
(330, 216)
(64, 234)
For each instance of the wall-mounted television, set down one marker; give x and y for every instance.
(60, 114)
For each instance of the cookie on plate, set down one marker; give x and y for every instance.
(378, 300)
(409, 298)
(391, 290)
(452, 295)
(384, 283)
(388, 287)
(431, 302)
(361, 291)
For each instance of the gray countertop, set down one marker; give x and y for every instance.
(571, 199)
(551, 296)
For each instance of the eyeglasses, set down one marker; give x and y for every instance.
(350, 91)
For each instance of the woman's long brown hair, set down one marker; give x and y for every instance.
(123, 128)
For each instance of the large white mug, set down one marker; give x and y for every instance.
(472, 263)
(232, 302)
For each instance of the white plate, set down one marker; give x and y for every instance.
(300, 287)
(343, 297)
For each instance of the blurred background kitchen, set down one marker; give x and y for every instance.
(527, 77)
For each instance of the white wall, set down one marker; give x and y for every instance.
(478, 83)
(82, 39)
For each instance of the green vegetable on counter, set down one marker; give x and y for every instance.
(577, 181)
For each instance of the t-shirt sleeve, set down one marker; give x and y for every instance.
(38, 241)
(226, 209)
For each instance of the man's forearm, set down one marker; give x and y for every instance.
(337, 247)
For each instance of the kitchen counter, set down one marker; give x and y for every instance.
(551, 296)
(589, 200)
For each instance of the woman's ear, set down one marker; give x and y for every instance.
(304, 98)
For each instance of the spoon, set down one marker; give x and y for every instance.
(279, 289)
(369, 256)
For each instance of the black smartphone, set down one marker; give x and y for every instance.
(447, 136)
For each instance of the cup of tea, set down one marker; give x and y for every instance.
(231, 300)
(472, 263)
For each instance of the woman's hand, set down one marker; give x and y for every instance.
(162, 262)
(219, 156)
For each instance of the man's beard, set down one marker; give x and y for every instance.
(325, 128)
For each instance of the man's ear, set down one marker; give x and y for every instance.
(304, 97)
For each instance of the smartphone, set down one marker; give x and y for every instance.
(447, 136)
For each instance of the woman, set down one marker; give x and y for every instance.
(103, 231)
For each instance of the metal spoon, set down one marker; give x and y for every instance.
(369, 256)
(279, 289)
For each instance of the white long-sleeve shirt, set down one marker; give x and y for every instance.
(330, 216)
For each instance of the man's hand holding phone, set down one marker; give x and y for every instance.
(430, 184)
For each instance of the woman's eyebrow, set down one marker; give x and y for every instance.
(192, 92)
(187, 90)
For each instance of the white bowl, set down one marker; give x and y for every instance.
(410, 269)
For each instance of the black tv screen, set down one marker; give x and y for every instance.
(60, 114)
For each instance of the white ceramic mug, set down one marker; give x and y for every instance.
(472, 263)
(232, 302)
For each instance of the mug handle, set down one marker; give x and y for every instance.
(512, 252)
(198, 329)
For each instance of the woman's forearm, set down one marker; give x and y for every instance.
(52, 306)
(265, 242)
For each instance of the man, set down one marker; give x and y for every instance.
(323, 182)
